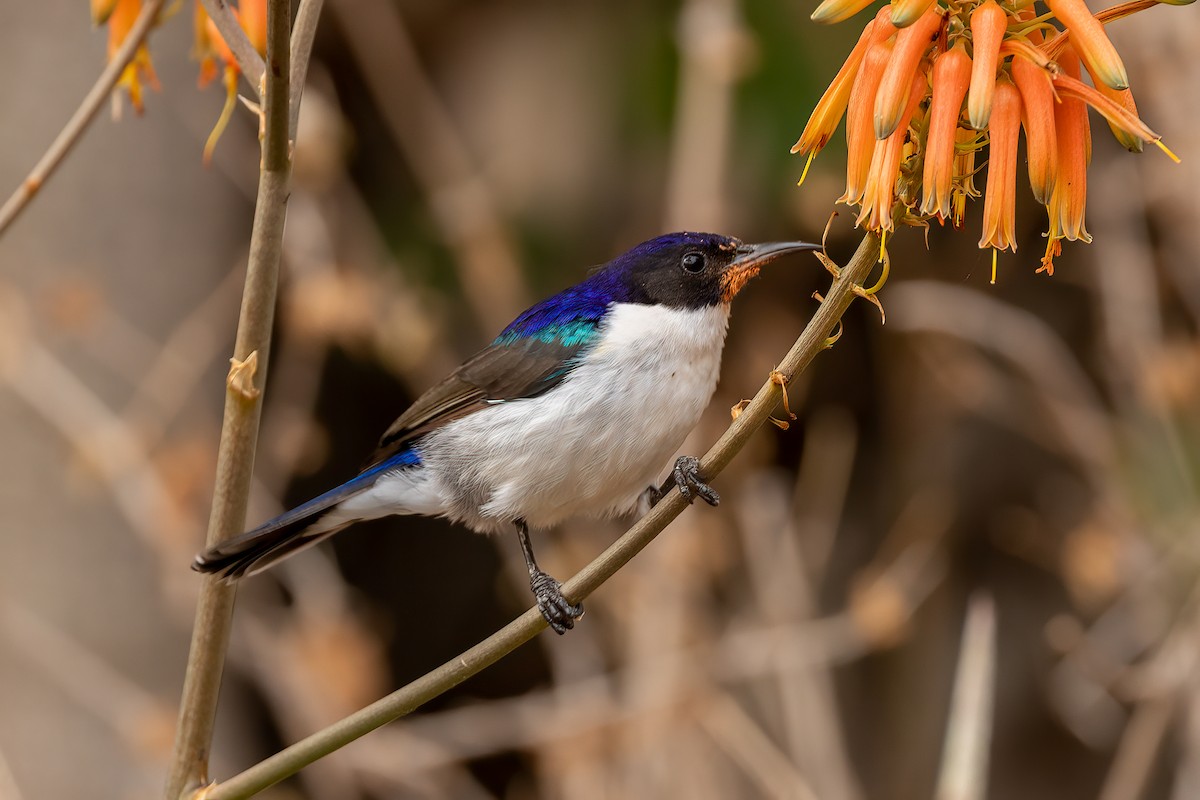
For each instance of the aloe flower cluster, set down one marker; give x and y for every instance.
(931, 83)
(209, 49)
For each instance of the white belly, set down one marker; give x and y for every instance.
(594, 443)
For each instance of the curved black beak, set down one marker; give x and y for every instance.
(755, 255)
(750, 259)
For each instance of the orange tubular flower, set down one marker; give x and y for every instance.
(906, 12)
(880, 194)
(1113, 111)
(951, 74)
(832, 105)
(932, 84)
(1069, 199)
(1121, 114)
(1037, 116)
(211, 47)
(892, 98)
(102, 10)
(834, 11)
(254, 22)
(860, 131)
(988, 23)
(999, 203)
(1123, 98)
(1091, 42)
(204, 49)
(121, 16)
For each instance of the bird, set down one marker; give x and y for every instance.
(576, 408)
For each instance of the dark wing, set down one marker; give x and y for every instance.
(517, 369)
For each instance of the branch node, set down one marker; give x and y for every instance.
(869, 296)
(240, 380)
(832, 340)
(781, 380)
(832, 268)
(203, 792)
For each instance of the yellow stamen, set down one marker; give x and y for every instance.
(1159, 144)
(231, 78)
(807, 164)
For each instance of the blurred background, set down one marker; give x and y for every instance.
(1026, 450)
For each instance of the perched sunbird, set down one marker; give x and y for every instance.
(575, 409)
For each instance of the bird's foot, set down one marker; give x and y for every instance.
(653, 494)
(550, 601)
(691, 485)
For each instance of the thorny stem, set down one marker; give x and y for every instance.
(521, 630)
(239, 432)
(83, 116)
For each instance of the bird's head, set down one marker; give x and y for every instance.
(693, 270)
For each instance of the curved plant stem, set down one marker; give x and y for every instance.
(239, 431)
(83, 116)
(303, 34)
(811, 342)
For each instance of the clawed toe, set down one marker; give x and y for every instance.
(691, 485)
(560, 614)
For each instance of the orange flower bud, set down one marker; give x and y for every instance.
(102, 10)
(880, 193)
(1000, 197)
(892, 98)
(860, 131)
(834, 11)
(1037, 116)
(829, 110)
(203, 48)
(988, 23)
(1091, 42)
(906, 12)
(951, 74)
(1069, 199)
(253, 16)
(121, 16)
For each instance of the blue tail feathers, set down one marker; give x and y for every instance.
(293, 530)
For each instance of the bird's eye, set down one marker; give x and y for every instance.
(693, 262)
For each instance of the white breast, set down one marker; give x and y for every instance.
(594, 443)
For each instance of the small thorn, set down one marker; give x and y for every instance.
(253, 107)
(736, 409)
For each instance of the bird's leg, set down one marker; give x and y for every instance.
(554, 607)
(686, 476)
